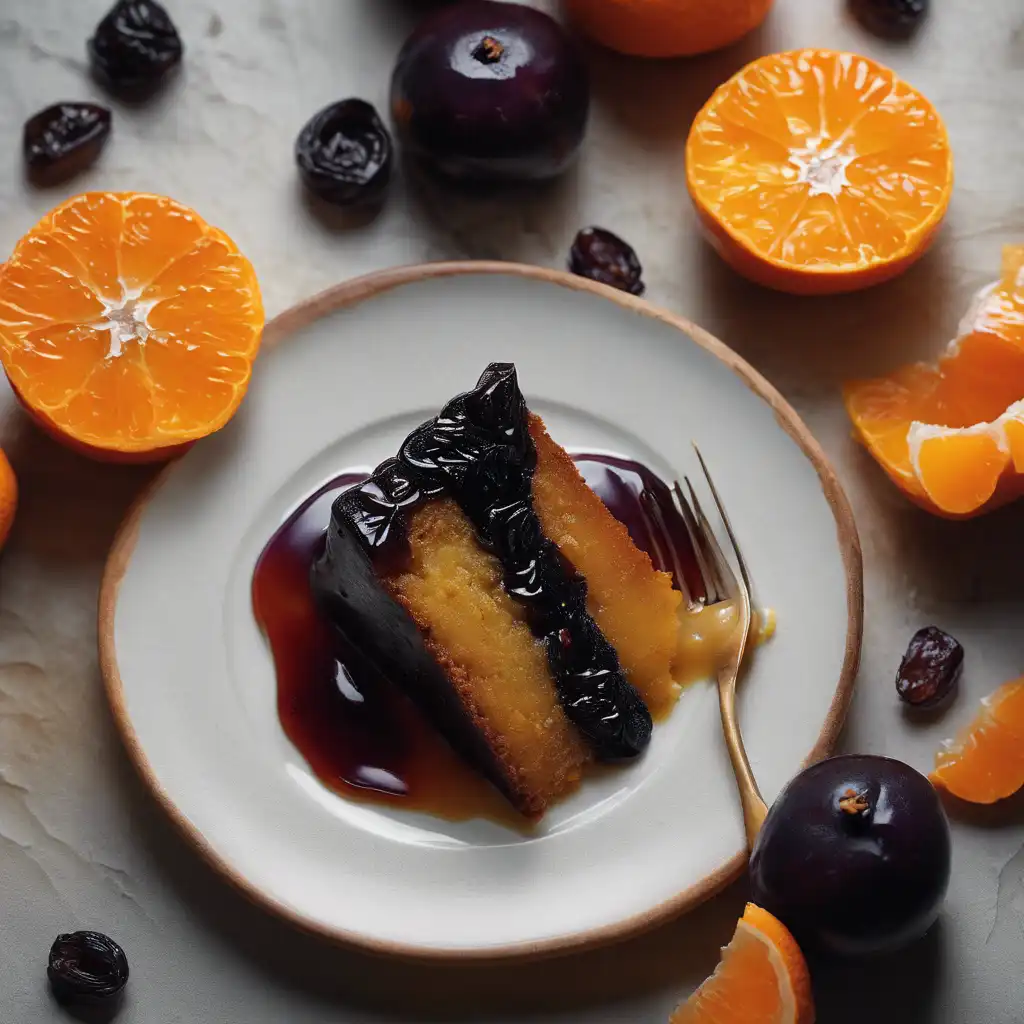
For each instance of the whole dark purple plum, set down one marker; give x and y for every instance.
(492, 92)
(854, 856)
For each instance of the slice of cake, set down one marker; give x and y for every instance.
(479, 573)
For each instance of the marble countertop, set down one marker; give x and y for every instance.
(82, 843)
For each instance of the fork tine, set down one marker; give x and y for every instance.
(744, 572)
(696, 542)
(725, 578)
(667, 556)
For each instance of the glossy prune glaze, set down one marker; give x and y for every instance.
(930, 669)
(479, 452)
(135, 45)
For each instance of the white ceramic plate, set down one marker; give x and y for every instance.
(343, 378)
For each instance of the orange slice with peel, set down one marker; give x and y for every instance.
(951, 436)
(816, 172)
(985, 763)
(762, 978)
(128, 325)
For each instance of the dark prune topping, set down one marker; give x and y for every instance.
(64, 139)
(344, 154)
(930, 669)
(892, 18)
(135, 45)
(87, 966)
(604, 257)
(479, 451)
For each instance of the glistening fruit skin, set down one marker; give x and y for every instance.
(890, 18)
(490, 91)
(86, 967)
(64, 139)
(134, 46)
(602, 256)
(854, 856)
(344, 154)
(930, 669)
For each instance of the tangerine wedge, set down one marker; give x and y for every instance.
(128, 325)
(816, 172)
(762, 978)
(951, 436)
(985, 762)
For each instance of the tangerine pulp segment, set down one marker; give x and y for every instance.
(762, 978)
(816, 172)
(985, 763)
(128, 325)
(951, 436)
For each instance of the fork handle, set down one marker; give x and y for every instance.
(754, 808)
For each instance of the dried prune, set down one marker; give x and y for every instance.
(86, 966)
(64, 139)
(344, 154)
(603, 256)
(134, 46)
(930, 669)
(890, 17)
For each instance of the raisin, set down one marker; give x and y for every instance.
(602, 256)
(893, 18)
(344, 154)
(86, 966)
(134, 46)
(64, 139)
(930, 669)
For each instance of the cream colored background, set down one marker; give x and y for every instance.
(81, 844)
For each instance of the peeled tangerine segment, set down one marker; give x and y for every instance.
(762, 978)
(986, 761)
(959, 472)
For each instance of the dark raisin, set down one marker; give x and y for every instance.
(344, 154)
(86, 966)
(930, 668)
(134, 46)
(892, 18)
(602, 256)
(64, 139)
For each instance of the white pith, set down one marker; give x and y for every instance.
(126, 319)
(823, 170)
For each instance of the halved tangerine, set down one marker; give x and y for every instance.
(128, 325)
(762, 978)
(985, 763)
(951, 436)
(816, 172)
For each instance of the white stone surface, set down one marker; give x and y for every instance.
(82, 844)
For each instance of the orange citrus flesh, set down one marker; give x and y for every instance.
(762, 978)
(8, 497)
(667, 28)
(817, 172)
(951, 436)
(985, 763)
(128, 325)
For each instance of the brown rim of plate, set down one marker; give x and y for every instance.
(367, 287)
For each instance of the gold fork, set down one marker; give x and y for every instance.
(721, 585)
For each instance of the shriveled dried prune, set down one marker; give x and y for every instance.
(890, 17)
(135, 45)
(930, 669)
(344, 154)
(87, 966)
(64, 139)
(602, 256)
